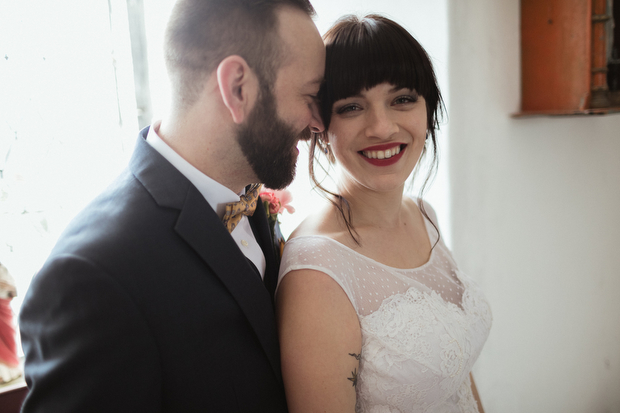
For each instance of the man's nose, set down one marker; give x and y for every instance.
(316, 123)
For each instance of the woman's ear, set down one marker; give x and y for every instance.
(238, 86)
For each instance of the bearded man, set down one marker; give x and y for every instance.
(150, 302)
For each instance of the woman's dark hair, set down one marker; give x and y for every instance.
(361, 54)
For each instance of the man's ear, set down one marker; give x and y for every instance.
(238, 86)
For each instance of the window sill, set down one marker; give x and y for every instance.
(600, 111)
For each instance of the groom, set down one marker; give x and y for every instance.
(147, 303)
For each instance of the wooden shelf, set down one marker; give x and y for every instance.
(12, 395)
(586, 112)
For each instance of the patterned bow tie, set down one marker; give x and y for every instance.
(245, 206)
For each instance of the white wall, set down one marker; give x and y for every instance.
(536, 221)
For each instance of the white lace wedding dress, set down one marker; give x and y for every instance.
(422, 328)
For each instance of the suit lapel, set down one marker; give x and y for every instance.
(262, 233)
(204, 232)
(201, 228)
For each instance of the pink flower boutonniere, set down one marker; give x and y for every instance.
(275, 203)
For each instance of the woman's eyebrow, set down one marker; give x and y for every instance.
(397, 88)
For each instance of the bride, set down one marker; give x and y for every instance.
(374, 314)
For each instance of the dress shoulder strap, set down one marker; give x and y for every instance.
(320, 253)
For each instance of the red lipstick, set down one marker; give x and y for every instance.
(383, 155)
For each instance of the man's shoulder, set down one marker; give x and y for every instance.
(118, 214)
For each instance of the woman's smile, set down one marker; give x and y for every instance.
(383, 155)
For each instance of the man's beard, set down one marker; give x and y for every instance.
(267, 143)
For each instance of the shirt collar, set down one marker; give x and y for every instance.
(216, 194)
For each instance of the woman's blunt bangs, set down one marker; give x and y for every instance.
(363, 53)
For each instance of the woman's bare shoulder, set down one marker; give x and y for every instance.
(323, 222)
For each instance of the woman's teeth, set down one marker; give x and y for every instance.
(388, 153)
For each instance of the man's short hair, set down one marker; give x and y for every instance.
(201, 33)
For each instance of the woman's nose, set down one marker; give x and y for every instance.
(380, 124)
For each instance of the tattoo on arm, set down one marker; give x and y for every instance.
(353, 378)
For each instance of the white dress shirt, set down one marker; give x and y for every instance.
(216, 194)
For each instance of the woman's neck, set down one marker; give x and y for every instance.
(374, 209)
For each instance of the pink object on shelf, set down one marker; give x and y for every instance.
(8, 345)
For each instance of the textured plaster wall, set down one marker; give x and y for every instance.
(536, 221)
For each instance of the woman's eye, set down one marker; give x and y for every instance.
(347, 108)
(406, 99)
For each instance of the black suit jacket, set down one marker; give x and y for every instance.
(146, 304)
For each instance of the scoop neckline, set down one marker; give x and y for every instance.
(421, 267)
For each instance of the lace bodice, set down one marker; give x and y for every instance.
(422, 328)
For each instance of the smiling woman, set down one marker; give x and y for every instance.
(362, 129)
(369, 294)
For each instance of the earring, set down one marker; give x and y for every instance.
(324, 144)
